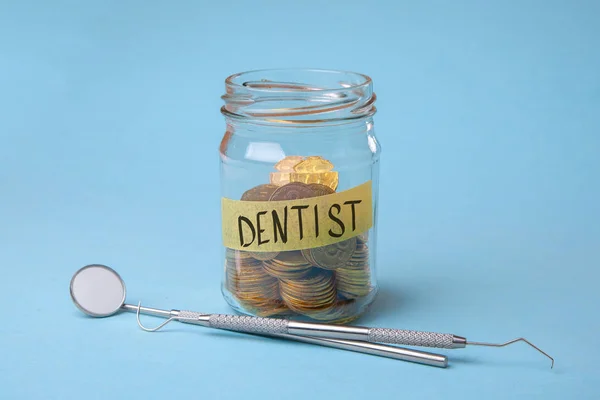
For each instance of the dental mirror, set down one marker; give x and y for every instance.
(98, 290)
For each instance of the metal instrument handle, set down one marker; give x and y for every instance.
(413, 338)
(283, 326)
(279, 328)
(242, 323)
(238, 323)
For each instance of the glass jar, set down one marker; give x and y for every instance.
(299, 186)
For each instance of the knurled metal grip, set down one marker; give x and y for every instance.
(411, 338)
(248, 324)
(189, 315)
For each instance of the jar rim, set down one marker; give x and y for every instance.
(298, 96)
(366, 80)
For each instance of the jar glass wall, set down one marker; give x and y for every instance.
(299, 185)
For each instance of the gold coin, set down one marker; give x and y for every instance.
(245, 277)
(283, 271)
(363, 237)
(293, 191)
(232, 254)
(308, 257)
(291, 257)
(334, 255)
(288, 265)
(288, 163)
(280, 178)
(343, 312)
(321, 190)
(264, 255)
(277, 309)
(309, 295)
(353, 283)
(315, 169)
(354, 279)
(253, 288)
(259, 193)
(313, 164)
(360, 258)
(329, 179)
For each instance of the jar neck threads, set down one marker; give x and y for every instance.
(299, 97)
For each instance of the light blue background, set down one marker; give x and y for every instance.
(489, 117)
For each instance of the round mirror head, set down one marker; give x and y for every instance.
(97, 290)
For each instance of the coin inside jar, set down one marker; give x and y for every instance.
(320, 190)
(329, 179)
(315, 169)
(313, 164)
(288, 265)
(288, 163)
(284, 168)
(352, 283)
(280, 178)
(283, 271)
(360, 257)
(251, 285)
(292, 191)
(354, 279)
(308, 257)
(259, 193)
(245, 276)
(263, 255)
(310, 294)
(291, 257)
(343, 312)
(334, 255)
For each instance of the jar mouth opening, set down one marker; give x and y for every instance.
(298, 95)
(321, 80)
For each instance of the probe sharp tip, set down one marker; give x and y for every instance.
(514, 341)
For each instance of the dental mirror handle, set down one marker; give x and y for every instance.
(377, 349)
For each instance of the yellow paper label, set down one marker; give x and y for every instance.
(296, 224)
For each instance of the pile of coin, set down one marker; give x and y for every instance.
(287, 265)
(310, 295)
(332, 256)
(342, 312)
(307, 170)
(324, 283)
(284, 169)
(251, 285)
(294, 280)
(354, 279)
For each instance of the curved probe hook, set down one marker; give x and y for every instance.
(137, 315)
(511, 342)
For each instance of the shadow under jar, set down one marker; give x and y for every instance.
(299, 186)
